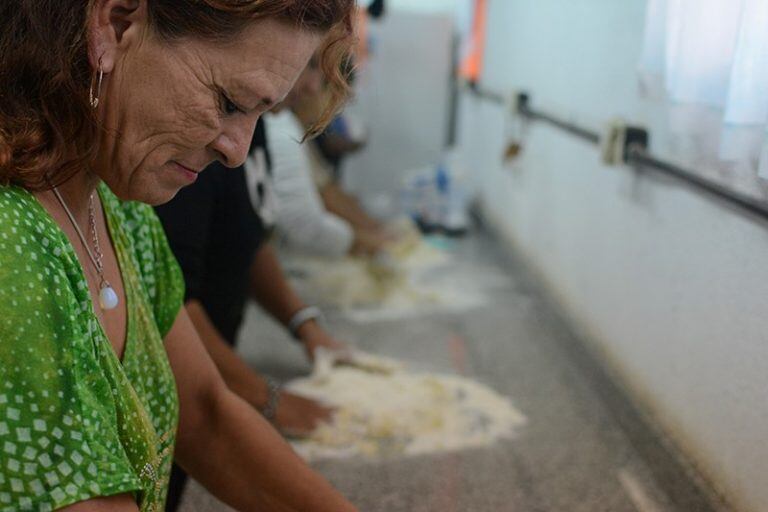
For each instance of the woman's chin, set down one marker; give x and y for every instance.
(158, 196)
(153, 194)
(154, 187)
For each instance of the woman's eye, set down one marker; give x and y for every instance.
(228, 106)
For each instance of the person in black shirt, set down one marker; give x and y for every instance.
(219, 239)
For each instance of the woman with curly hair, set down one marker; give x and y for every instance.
(108, 107)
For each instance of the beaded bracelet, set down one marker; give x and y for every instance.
(269, 411)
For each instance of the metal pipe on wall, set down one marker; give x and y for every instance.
(635, 153)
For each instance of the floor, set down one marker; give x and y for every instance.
(584, 449)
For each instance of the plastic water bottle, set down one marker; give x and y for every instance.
(443, 189)
(452, 201)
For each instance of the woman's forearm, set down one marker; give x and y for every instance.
(236, 373)
(270, 287)
(339, 203)
(250, 467)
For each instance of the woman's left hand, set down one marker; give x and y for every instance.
(313, 336)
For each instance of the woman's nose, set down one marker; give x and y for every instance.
(231, 146)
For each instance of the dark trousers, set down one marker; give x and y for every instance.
(175, 488)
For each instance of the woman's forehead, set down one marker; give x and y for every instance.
(266, 61)
(275, 47)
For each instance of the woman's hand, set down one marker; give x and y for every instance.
(368, 242)
(313, 336)
(298, 416)
(295, 416)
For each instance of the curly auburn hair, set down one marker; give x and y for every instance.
(47, 127)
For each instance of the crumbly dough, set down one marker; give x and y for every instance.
(416, 278)
(364, 283)
(384, 410)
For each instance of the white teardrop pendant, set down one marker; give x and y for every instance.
(107, 297)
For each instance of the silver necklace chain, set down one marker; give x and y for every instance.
(96, 259)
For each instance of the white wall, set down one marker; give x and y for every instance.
(403, 96)
(424, 6)
(671, 287)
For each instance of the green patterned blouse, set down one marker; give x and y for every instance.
(76, 422)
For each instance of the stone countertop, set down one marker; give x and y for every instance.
(572, 456)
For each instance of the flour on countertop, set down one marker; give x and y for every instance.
(424, 280)
(384, 410)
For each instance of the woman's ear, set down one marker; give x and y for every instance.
(113, 25)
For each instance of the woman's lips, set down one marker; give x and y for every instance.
(189, 174)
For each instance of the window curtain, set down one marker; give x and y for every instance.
(471, 66)
(709, 59)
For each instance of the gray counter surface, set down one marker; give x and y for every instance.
(574, 455)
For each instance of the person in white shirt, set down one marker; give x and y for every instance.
(299, 214)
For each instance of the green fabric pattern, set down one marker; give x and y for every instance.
(76, 422)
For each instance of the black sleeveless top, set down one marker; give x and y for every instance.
(214, 231)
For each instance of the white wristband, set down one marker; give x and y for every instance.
(301, 317)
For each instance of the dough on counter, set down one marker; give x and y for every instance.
(363, 282)
(383, 410)
(355, 283)
(416, 278)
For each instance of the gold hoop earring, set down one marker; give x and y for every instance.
(94, 98)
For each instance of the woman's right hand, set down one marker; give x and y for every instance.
(368, 242)
(298, 417)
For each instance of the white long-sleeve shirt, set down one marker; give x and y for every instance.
(300, 216)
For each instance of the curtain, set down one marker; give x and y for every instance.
(709, 59)
(471, 66)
